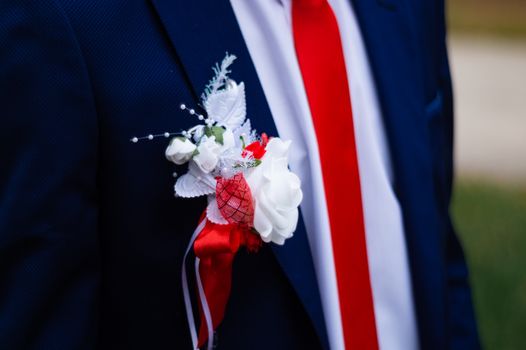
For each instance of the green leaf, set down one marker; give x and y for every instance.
(215, 131)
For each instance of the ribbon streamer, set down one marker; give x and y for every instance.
(204, 306)
(186, 293)
(215, 247)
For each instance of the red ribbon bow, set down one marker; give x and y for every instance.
(216, 247)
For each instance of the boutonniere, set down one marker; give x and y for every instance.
(252, 196)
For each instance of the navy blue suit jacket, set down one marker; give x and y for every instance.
(91, 236)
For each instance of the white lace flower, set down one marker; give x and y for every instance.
(277, 194)
(180, 150)
(208, 156)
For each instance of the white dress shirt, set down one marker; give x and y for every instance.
(267, 30)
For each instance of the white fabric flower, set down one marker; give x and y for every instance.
(228, 140)
(208, 156)
(277, 194)
(180, 150)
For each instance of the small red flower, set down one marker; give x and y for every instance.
(256, 148)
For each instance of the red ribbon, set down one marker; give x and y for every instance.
(216, 247)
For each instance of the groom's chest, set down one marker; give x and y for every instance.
(145, 58)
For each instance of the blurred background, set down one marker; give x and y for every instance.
(487, 41)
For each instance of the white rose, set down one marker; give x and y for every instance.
(180, 150)
(277, 194)
(208, 156)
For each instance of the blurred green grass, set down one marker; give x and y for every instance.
(491, 222)
(494, 18)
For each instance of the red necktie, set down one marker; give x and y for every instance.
(320, 56)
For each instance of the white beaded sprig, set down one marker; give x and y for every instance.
(167, 134)
(136, 139)
(201, 117)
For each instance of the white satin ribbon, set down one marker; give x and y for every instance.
(202, 296)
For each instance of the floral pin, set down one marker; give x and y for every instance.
(252, 195)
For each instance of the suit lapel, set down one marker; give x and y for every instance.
(391, 42)
(201, 31)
